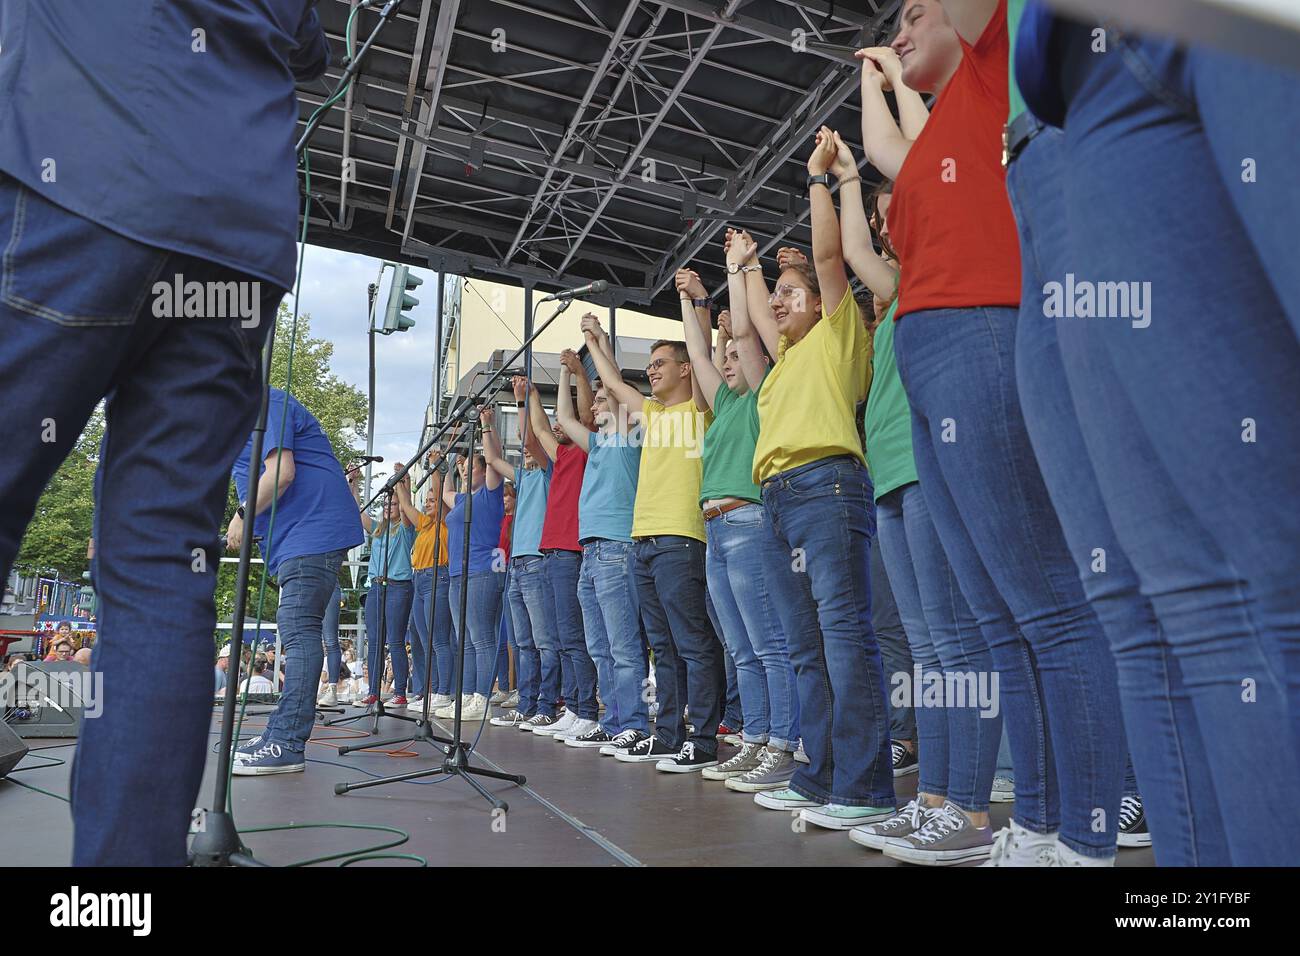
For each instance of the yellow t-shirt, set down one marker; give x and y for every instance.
(807, 404)
(668, 485)
(426, 527)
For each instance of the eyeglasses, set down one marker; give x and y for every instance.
(786, 291)
(656, 365)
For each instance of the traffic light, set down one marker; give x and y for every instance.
(399, 301)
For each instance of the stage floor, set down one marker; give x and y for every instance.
(576, 809)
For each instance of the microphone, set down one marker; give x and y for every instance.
(591, 288)
(365, 458)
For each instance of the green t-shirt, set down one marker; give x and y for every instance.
(1015, 9)
(888, 418)
(728, 447)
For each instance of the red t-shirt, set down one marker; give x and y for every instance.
(950, 219)
(560, 528)
(504, 541)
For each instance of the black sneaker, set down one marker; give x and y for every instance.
(624, 741)
(1133, 823)
(688, 760)
(650, 748)
(904, 759)
(592, 738)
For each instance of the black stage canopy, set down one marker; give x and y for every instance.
(555, 142)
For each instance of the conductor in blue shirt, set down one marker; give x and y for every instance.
(148, 212)
(316, 521)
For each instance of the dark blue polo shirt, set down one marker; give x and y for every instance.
(171, 122)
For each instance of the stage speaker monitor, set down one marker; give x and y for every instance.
(52, 698)
(12, 750)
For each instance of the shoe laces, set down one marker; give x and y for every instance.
(746, 753)
(624, 739)
(941, 822)
(688, 751)
(910, 816)
(269, 750)
(899, 752)
(1130, 811)
(1004, 841)
(766, 764)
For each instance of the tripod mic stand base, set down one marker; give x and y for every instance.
(455, 764)
(218, 843)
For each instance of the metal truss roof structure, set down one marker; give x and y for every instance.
(555, 142)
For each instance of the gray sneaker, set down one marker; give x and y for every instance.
(772, 773)
(746, 759)
(946, 838)
(907, 821)
(1004, 790)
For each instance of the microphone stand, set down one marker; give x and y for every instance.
(456, 760)
(218, 843)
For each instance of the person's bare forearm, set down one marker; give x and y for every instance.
(274, 481)
(586, 399)
(704, 377)
(912, 111)
(859, 252)
(885, 145)
(541, 426)
(828, 256)
(611, 377)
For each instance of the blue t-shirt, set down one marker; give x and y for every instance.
(394, 547)
(148, 110)
(484, 534)
(609, 486)
(317, 513)
(531, 489)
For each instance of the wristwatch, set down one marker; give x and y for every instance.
(240, 510)
(823, 179)
(703, 303)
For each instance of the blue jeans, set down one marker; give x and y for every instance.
(1001, 534)
(386, 621)
(482, 620)
(436, 653)
(307, 585)
(607, 593)
(823, 519)
(1205, 519)
(671, 593)
(958, 746)
(561, 570)
(184, 395)
(741, 546)
(895, 655)
(505, 641)
(732, 712)
(533, 613)
(329, 632)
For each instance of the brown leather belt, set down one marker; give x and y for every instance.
(718, 511)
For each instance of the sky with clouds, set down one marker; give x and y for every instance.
(334, 295)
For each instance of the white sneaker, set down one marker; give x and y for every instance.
(449, 711)
(511, 702)
(440, 700)
(579, 728)
(329, 697)
(499, 697)
(1016, 846)
(415, 705)
(1068, 857)
(476, 709)
(561, 726)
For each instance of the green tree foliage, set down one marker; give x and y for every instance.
(57, 537)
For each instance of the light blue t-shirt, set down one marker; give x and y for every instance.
(609, 486)
(397, 542)
(531, 489)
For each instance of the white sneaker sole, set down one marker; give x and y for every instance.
(668, 766)
(585, 744)
(625, 757)
(911, 854)
(765, 800)
(1134, 839)
(810, 815)
(244, 770)
(1002, 797)
(906, 770)
(735, 783)
(872, 841)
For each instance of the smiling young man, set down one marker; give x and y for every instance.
(668, 528)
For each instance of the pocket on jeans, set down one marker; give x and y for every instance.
(112, 279)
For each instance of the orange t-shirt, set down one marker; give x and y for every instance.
(951, 220)
(429, 530)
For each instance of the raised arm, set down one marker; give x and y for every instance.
(449, 488)
(884, 142)
(705, 377)
(855, 233)
(828, 257)
(523, 421)
(541, 425)
(607, 368)
(410, 514)
(747, 339)
(912, 111)
(970, 17)
(497, 467)
(354, 485)
(564, 411)
(586, 395)
(757, 293)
